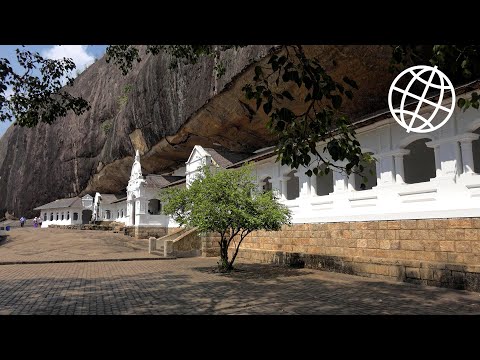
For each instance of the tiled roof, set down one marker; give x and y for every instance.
(111, 198)
(225, 158)
(62, 203)
(160, 181)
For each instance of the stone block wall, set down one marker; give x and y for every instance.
(187, 244)
(144, 232)
(439, 252)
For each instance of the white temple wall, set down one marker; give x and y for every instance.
(453, 190)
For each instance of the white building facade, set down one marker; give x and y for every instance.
(415, 176)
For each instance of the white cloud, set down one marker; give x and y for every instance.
(78, 53)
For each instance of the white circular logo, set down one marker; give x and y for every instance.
(412, 120)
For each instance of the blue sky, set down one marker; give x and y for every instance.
(82, 55)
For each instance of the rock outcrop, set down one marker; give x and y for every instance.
(162, 112)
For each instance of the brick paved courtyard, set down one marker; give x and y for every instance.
(189, 286)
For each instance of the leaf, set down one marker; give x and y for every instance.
(350, 82)
(287, 95)
(258, 70)
(461, 102)
(336, 101)
(349, 94)
(309, 173)
(267, 107)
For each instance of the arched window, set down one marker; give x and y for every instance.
(476, 153)
(44, 216)
(419, 165)
(75, 216)
(370, 172)
(51, 216)
(293, 186)
(122, 213)
(68, 215)
(62, 215)
(107, 214)
(118, 214)
(57, 216)
(267, 184)
(154, 207)
(324, 182)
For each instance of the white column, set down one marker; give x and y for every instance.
(467, 157)
(438, 162)
(340, 179)
(467, 152)
(399, 170)
(284, 180)
(313, 185)
(303, 183)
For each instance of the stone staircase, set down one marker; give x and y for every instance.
(182, 243)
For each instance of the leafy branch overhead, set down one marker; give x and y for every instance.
(38, 94)
(319, 119)
(302, 101)
(459, 62)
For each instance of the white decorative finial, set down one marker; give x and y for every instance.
(137, 155)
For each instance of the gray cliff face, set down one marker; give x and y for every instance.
(162, 112)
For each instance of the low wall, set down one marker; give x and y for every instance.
(188, 244)
(83, 227)
(438, 252)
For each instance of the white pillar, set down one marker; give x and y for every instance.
(467, 157)
(399, 169)
(303, 183)
(284, 180)
(438, 162)
(313, 185)
(467, 152)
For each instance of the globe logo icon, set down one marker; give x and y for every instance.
(428, 78)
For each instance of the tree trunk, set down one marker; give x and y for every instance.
(224, 263)
(230, 265)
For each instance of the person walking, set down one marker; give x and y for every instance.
(22, 221)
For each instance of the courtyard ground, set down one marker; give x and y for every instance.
(189, 286)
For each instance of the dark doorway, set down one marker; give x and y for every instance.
(86, 216)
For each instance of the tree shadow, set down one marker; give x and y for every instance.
(254, 271)
(79, 289)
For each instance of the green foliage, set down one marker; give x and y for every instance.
(226, 202)
(107, 127)
(125, 55)
(321, 120)
(458, 62)
(37, 98)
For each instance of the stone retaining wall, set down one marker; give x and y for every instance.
(439, 252)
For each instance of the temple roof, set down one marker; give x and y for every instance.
(160, 181)
(62, 203)
(225, 158)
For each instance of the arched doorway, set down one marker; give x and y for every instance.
(293, 186)
(133, 210)
(370, 172)
(266, 184)
(86, 216)
(419, 165)
(154, 207)
(324, 182)
(476, 153)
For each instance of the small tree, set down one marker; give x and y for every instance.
(227, 202)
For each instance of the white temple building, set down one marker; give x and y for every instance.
(416, 176)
